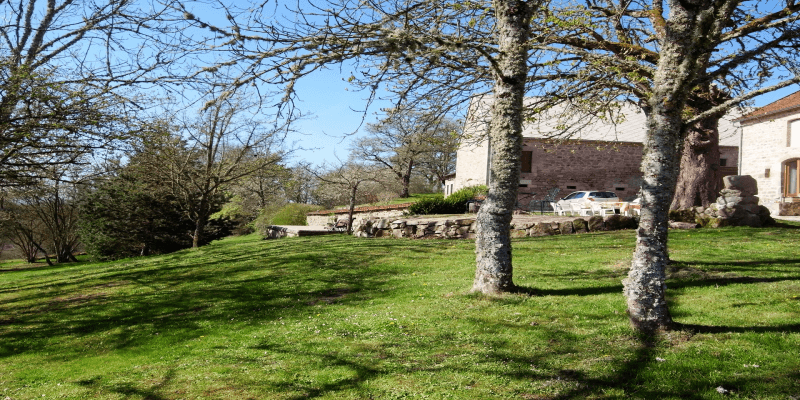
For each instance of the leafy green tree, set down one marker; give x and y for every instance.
(126, 216)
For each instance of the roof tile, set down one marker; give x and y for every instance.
(789, 102)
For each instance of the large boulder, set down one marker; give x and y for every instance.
(746, 184)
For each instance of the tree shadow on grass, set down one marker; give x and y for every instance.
(128, 390)
(135, 305)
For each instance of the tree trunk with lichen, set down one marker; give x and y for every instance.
(494, 273)
(683, 37)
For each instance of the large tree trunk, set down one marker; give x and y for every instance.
(699, 181)
(645, 286)
(493, 243)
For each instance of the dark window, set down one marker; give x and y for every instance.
(620, 189)
(791, 179)
(572, 187)
(723, 162)
(527, 160)
(523, 185)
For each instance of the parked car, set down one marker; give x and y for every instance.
(587, 196)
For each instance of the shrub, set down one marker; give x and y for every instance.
(456, 203)
(430, 205)
(463, 195)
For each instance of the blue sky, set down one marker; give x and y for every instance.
(330, 131)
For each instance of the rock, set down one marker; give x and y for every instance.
(518, 233)
(725, 212)
(596, 224)
(613, 222)
(684, 215)
(542, 229)
(719, 222)
(579, 225)
(382, 224)
(744, 183)
(749, 219)
(682, 225)
(566, 228)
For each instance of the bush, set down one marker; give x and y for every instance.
(463, 195)
(431, 205)
(456, 203)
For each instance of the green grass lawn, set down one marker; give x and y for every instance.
(341, 318)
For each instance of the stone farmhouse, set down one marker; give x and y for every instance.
(771, 153)
(599, 154)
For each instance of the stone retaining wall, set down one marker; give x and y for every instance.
(464, 228)
(325, 217)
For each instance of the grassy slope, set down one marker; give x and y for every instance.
(336, 317)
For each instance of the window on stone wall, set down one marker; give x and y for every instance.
(723, 162)
(790, 178)
(527, 161)
(794, 134)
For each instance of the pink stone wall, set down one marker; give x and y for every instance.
(581, 165)
(590, 165)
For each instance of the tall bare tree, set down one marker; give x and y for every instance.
(405, 140)
(346, 178)
(63, 67)
(199, 158)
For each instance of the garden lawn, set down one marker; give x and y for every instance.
(337, 317)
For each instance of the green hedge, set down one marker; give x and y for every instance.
(456, 203)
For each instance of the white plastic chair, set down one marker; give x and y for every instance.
(576, 208)
(598, 209)
(557, 209)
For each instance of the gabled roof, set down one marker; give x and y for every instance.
(788, 103)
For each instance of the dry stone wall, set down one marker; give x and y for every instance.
(464, 228)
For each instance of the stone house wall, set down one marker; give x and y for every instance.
(471, 166)
(765, 147)
(571, 165)
(581, 165)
